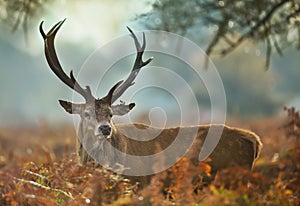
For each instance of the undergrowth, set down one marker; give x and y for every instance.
(32, 173)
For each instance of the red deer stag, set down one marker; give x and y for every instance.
(99, 138)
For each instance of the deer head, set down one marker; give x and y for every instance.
(96, 113)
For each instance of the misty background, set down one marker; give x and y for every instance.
(29, 90)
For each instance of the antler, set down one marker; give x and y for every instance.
(138, 64)
(55, 66)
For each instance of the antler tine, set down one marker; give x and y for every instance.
(55, 66)
(138, 64)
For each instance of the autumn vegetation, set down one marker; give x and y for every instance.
(38, 166)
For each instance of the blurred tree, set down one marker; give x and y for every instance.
(18, 13)
(273, 22)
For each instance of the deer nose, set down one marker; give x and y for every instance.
(105, 129)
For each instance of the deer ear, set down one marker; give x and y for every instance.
(70, 107)
(122, 109)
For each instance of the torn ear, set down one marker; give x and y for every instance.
(122, 109)
(70, 107)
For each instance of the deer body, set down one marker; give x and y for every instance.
(99, 138)
(236, 146)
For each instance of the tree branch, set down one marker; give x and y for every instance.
(250, 33)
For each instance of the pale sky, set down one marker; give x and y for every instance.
(25, 76)
(24, 73)
(93, 22)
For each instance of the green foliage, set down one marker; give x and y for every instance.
(273, 22)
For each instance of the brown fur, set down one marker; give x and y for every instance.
(236, 146)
